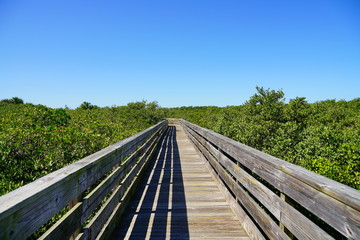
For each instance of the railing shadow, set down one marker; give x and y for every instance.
(159, 207)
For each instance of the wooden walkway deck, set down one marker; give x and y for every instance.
(124, 191)
(178, 198)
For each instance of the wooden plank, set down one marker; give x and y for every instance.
(263, 220)
(293, 220)
(179, 203)
(69, 223)
(341, 192)
(97, 223)
(113, 220)
(26, 209)
(98, 194)
(249, 226)
(66, 226)
(110, 225)
(336, 204)
(297, 223)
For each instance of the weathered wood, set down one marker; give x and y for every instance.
(297, 223)
(335, 203)
(132, 181)
(26, 209)
(96, 225)
(66, 226)
(249, 226)
(281, 224)
(23, 211)
(115, 217)
(72, 222)
(337, 190)
(100, 192)
(98, 222)
(263, 220)
(179, 199)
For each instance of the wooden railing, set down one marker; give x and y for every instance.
(272, 198)
(90, 194)
(275, 199)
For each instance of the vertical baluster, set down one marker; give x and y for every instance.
(282, 226)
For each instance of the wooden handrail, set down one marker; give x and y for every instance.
(108, 175)
(275, 197)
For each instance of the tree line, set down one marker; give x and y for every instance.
(36, 140)
(323, 137)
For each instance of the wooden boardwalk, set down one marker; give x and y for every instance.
(178, 198)
(155, 185)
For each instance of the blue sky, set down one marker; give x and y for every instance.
(177, 52)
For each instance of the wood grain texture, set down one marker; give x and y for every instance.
(336, 204)
(247, 223)
(180, 196)
(73, 220)
(265, 222)
(117, 212)
(297, 223)
(179, 199)
(98, 222)
(26, 209)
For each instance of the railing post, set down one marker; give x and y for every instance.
(281, 225)
(237, 181)
(70, 206)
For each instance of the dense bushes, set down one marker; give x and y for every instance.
(323, 137)
(36, 140)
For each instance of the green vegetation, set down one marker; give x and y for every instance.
(14, 100)
(323, 137)
(36, 140)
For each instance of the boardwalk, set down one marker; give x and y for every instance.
(178, 198)
(154, 185)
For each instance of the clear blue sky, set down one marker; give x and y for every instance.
(177, 52)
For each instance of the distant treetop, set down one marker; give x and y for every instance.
(14, 100)
(87, 105)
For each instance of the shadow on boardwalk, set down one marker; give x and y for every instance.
(158, 210)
